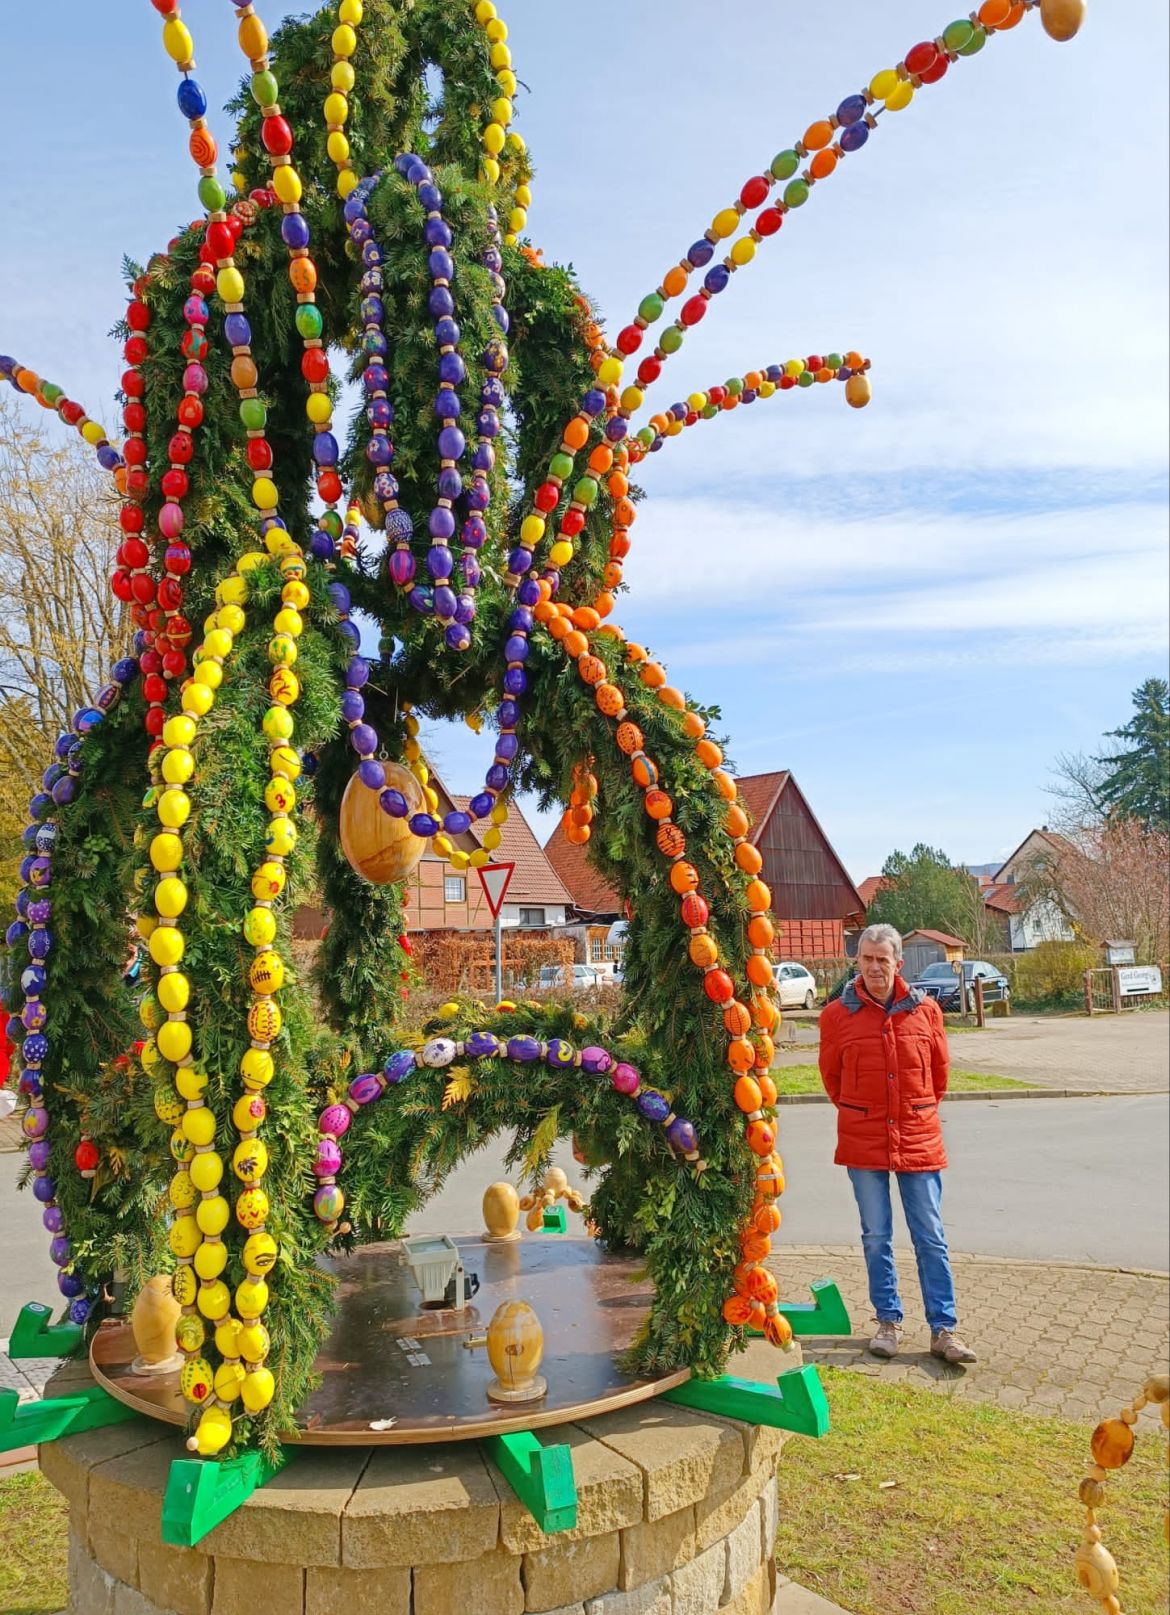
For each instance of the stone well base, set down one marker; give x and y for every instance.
(676, 1516)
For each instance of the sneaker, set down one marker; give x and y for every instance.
(946, 1344)
(887, 1340)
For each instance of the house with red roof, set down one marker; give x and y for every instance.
(813, 897)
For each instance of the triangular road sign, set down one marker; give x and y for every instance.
(494, 879)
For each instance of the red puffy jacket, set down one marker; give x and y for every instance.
(886, 1070)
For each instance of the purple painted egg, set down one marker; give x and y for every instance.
(44, 1189)
(70, 1285)
(38, 1154)
(481, 1045)
(560, 1052)
(328, 1202)
(36, 1122)
(366, 1088)
(53, 1219)
(33, 1015)
(653, 1106)
(398, 1066)
(79, 1311)
(523, 1048)
(334, 1120)
(596, 1061)
(625, 1078)
(682, 1135)
(328, 1162)
(61, 1251)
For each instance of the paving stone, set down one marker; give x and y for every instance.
(177, 1579)
(698, 1586)
(490, 1585)
(356, 1592)
(303, 1503)
(419, 1506)
(241, 1587)
(566, 1570)
(652, 1548)
(652, 1599)
(683, 1456)
(609, 1492)
(792, 1599)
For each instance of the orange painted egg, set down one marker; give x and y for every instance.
(684, 877)
(767, 1219)
(702, 951)
(575, 643)
(674, 281)
(758, 897)
(823, 164)
(202, 147)
(694, 911)
(709, 754)
(767, 1086)
(748, 858)
(765, 1049)
(818, 135)
(672, 844)
(761, 1136)
(756, 1321)
(759, 971)
(724, 784)
(740, 1277)
(694, 726)
(591, 669)
(741, 1056)
(761, 932)
(737, 1309)
(735, 821)
(762, 1285)
(302, 272)
(777, 1330)
(747, 1095)
(672, 698)
(657, 804)
(629, 738)
(585, 617)
(653, 676)
(737, 1019)
(609, 699)
(645, 772)
(754, 1245)
(764, 1013)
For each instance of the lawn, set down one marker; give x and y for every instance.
(983, 1514)
(807, 1079)
(33, 1519)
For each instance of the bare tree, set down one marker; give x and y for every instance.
(60, 626)
(1111, 884)
(1078, 792)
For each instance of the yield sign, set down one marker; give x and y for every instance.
(494, 879)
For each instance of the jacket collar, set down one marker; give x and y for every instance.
(906, 998)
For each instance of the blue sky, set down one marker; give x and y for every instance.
(914, 607)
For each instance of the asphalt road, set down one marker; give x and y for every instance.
(1047, 1179)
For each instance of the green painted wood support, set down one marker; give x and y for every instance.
(541, 1477)
(825, 1315)
(797, 1402)
(35, 1335)
(27, 1424)
(554, 1220)
(201, 1492)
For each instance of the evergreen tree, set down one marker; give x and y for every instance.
(922, 889)
(1137, 780)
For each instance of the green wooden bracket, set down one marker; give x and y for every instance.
(825, 1315)
(541, 1477)
(27, 1424)
(33, 1335)
(201, 1492)
(797, 1402)
(554, 1220)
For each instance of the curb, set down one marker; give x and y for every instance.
(831, 1253)
(994, 1093)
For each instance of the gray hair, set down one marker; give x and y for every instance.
(879, 934)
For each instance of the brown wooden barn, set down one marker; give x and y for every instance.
(813, 897)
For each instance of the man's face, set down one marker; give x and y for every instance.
(878, 967)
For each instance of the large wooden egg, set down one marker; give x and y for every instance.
(380, 848)
(1061, 19)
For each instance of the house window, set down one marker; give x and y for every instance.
(532, 918)
(597, 950)
(454, 889)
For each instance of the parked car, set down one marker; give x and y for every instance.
(796, 987)
(941, 982)
(585, 978)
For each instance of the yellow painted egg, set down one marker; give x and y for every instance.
(281, 836)
(213, 1434)
(229, 1377)
(174, 992)
(191, 1082)
(260, 1252)
(227, 1337)
(250, 1160)
(266, 972)
(259, 926)
(168, 1107)
(189, 1332)
(248, 1112)
(199, 1125)
(150, 1013)
(251, 1297)
(184, 1237)
(268, 881)
(256, 1068)
(258, 1390)
(206, 1171)
(212, 1215)
(179, 730)
(284, 760)
(213, 1300)
(252, 1208)
(183, 1285)
(166, 944)
(264, 1020)
(280, 795)
(284, 686)
(174, 1042)
(210, 1259)
(182, 1148)
(254, 1342)
(166, 852)
(182, 1191)
(195, 1380)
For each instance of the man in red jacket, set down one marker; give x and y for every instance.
(884, 1064)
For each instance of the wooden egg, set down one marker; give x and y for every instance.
(1061, 19)
(381, 849)
(152, 1322)
(858, 391)
(1096, 1569)
(1111, 1443)
(515, 1345)
(501, 1213)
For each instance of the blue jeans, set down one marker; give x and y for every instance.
(922, 1203)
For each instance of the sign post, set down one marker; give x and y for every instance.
(495, 878)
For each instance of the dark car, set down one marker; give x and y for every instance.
(941, 982)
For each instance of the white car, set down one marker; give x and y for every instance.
(796, 988)
(585, 978)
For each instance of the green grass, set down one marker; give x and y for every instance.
(983, 1516)
(33, 1522)
(807, 1079)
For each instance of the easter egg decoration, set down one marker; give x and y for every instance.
(382, 848)
(501, 1213)
(152, 1322)
(515, 1346)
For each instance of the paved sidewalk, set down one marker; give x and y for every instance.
(1052, 1338)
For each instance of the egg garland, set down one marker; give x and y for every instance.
(341, 79)
(439, 1052)
(1111, 1446)
(496, 133)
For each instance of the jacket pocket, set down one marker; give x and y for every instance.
(861, 1110)
(922, 1107)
